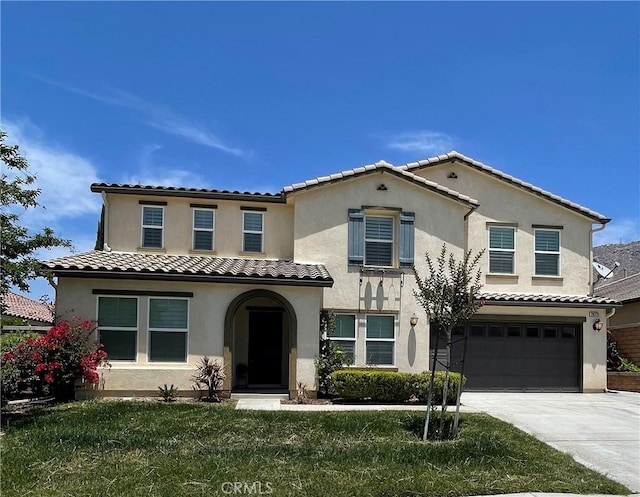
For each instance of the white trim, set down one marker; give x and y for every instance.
(512, 251)
(143, 226)
(170, 330)
(211, 230)
(393, 340)
(254, 232)
(558, 253)
(120, 328)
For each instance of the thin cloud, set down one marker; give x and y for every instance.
(153, 115)
(622, 230)
(429, 142)
(62, 176)
(166, 177)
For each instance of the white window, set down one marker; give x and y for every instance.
(378, 241)
(203, 229)
(547, 252)
(118, 327)
(152, 225)
(168, 329)
(502, 250)
(380, 340)
(252, 232)
(344, 335)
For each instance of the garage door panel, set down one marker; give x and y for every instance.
(525, 357)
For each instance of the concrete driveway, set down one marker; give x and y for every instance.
(600, 430)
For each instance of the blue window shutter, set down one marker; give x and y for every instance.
(407, 238)
(356, 236)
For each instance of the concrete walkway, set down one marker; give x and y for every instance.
(601, 430)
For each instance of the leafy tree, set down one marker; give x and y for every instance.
(449, 296)
(18, 193)
(100, 232)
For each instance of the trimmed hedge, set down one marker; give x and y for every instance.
(389, 386)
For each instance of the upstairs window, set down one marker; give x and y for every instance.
(118, 327)
(502, 250)
(547, 252)
(203, 229)
(381, 240)
(152, 226)
(252, 232)
(378, 241)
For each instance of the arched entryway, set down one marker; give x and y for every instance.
(260, 336)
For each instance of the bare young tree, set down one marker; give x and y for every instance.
(449, 295)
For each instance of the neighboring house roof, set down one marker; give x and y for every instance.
(625, 290)
(455, 156)
(190, 268)
(381, 166)
(173, 191)
(627, 254)
(547, 300)
(25, 308)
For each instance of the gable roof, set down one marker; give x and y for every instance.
(175, 191)
(189, 268)
(382, 166)
(625, 290)
(479, 166)
(25, 308)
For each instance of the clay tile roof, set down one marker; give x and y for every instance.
(547, 300)
(625, 290)
(26, 308)
(453, 155)
(176, 191)
(191, 268)
(382, 166)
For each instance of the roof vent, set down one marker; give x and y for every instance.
(382, 187)
(452, 175)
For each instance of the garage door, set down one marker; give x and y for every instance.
(516, 356)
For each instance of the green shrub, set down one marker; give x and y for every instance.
(168, 394)
(421, 386)
(50, 363)
(388, 386)
(11, 340)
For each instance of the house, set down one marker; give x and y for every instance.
(242, 277)
(31, 313)
(625, 323)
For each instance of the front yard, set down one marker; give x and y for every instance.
(100, 448)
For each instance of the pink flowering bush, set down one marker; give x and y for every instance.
(51, 363)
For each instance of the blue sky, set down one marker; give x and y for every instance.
(256, 96)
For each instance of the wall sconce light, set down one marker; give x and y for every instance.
(413, 320)
(597, 325)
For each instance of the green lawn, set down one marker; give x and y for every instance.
(155, 449)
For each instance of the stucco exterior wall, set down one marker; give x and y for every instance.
(504, 203)
(321, 235)
(207, 310)
(124, 226)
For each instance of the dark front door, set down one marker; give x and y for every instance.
(265, 348)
